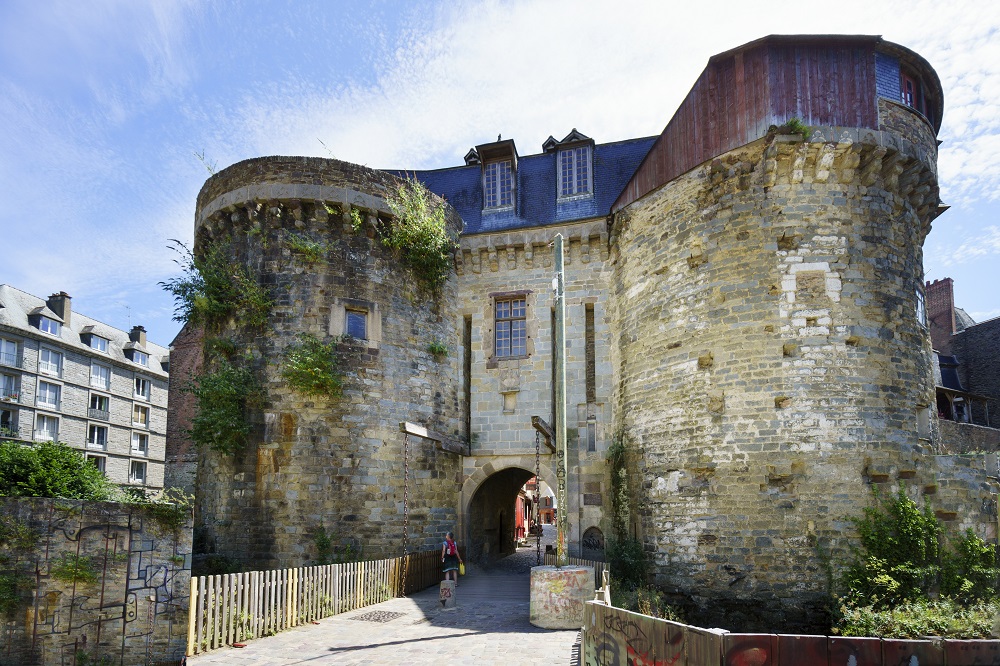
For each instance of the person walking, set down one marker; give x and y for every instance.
(450, 559)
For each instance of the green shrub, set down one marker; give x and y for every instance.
(213, 288)
(311, 367)
(419, 233)
(71, 568)
(15, 592)
(899, 558)
(969, 570)
(50, 469)
(223, 395)
(645, 599)
(913, 619)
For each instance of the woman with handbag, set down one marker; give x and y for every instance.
(450, 559)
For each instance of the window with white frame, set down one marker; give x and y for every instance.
(10, 388)
(46, 428)
(140, 416)
(921, 309)
(498, 184)
(100, 376)
(47, 325)
(50, 361)
(48, 394)
(137, 472)
(100, 406)
(141, 388)
(142, 358)
(140, 444)
(574, 171)
(97, 437)
(99, 462)
(8, 353)
(99, 343)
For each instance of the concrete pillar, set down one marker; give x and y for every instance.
(447, 594)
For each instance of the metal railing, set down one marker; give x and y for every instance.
(99, 414)
(8, 432)
(46, 436)
(8, 395)
(11, 360)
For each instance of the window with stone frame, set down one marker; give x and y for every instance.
(137, 472)
(510, 327)
(356, 324)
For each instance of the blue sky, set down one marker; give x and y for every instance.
(106, 106)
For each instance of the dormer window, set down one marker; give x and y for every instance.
(50, 326)
(498, 184)
(142, 358)
(98, 343)
(574, 171)
(499, 160)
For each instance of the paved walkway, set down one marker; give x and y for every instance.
(490, 626)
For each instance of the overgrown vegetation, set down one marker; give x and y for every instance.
(916, 619)
(311, 367)
(223, 393)
(419, 233)
(310, 250)
(327, 551)
(72, 568)
(438, 349)
(907, 575)
(17, 540)
(213, 288)
(170, 510)
(625, 555)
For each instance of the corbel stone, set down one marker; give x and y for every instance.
(529, 254)
(825, 162)
(477, 262)
(873, 166)
(511, 258)
(604, 245)
(491, 255)
(585, 249)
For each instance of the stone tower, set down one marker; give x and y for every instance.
(772, 358)
(317, 465)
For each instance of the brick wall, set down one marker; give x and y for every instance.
(186, 360)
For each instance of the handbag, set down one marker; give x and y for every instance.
(461, 568)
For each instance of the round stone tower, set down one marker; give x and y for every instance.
(772, 358)
(323, 476)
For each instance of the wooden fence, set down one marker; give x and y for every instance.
(232, 608)
(599, 567)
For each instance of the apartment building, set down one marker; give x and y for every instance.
(69, 378)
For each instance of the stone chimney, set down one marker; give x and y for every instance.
(60, 304)
(138, 336)
(940, 297)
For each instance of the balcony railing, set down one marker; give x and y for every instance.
(10, 396)
(46, 436)
(140, 424)
(41, 402)
(99, 414)
(97, 444)
(98, 382)
(9, 432)
(11, 360)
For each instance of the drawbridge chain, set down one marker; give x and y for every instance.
(538, 498)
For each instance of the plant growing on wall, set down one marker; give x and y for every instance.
(223, 394)
(626, 559)
(419, 233)
(310, 250)
(213, 288)
(17, 540)
(73, 568)
(311, 367)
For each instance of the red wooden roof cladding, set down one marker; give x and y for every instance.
(822, 80)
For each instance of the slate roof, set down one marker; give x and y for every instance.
(537, 203)
(16, 305)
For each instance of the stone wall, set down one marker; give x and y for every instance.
(320, 465)
(968, 438)
(97, 580)
(769, 363)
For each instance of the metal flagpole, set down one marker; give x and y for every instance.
(562, 468)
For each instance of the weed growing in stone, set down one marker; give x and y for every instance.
(419, 233)
(438, 349)
(311, 367)
(212, 288)
(310, 250)
(71, 568)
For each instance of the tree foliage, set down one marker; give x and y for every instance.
(311, 367)
(50, 469)
(223, 394)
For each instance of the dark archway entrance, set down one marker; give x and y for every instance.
(491, 515)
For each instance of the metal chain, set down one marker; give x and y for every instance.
(538, 499)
